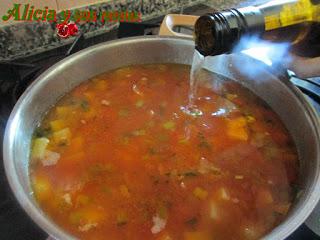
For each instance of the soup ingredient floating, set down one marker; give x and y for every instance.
(119, 157)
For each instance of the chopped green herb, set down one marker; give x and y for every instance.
(42, 132)
(152, 151)
(192, 221)
(84, 104)
(163, 212)
(161, 110)
(183, 141)
(170, 125)
(203, 141)
(106, 190)
(122, 219)
(75, 218)
(163, 137)
(195, 112)
(190, 174)
(139, 103)
(99, 169)
(123, 113)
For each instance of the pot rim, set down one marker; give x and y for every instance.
(281, 231)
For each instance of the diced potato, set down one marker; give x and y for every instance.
(63, 111)
(214, 211)
(122, 72)
(62, 136)
(42, 188)
(223, 194)
(67, 198)
(50, 158)
(87, 215)
(200, 193)
(238, 177)
(57, 125)
(196, 236)
(237, 129)
(88, 226)
(39, 148)
(231, 96)
(124, 191)
(250, 119)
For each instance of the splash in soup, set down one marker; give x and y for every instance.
(118, 158)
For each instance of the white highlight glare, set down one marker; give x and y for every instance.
(259, 53)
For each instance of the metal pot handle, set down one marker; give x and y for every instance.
(172, 20)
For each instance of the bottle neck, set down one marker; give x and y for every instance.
(217, 33)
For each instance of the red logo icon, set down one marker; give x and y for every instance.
(67, 30)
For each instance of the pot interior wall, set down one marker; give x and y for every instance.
(67, 74)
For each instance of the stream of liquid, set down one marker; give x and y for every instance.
(197, 63)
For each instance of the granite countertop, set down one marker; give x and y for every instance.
(25, 39)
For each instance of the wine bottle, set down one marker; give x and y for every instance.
(295, 21)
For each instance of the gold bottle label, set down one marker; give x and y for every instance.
(292, 13)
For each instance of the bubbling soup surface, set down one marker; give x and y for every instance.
(118, 158)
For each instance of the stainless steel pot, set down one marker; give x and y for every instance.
(288, 102)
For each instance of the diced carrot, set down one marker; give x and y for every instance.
(57, 125)
(237, 129)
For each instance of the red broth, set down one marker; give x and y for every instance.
(117, 158)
